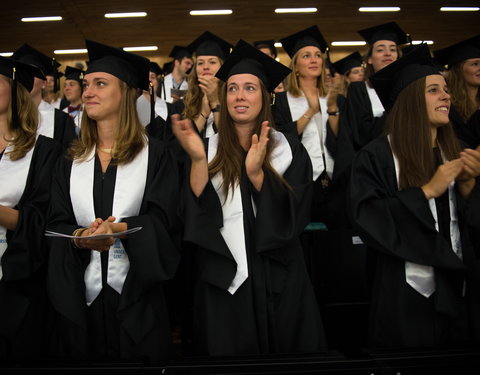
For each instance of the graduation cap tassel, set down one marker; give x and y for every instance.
(15, 120)
(162, 87)
(272, 99)
(152, 103)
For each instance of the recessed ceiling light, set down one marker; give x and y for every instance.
(6, 54)
(41, 19)
(213, 12)
(459, 9)
(278, 44)
(125, 15)
(69, 51)
(144, 48)
(379, 9)
(349, 43)
(295, 10)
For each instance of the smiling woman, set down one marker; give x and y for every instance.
(414, 199)
(115, 179)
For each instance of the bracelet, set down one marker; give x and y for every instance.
(77, 233)
(333, 113)
(308, 118)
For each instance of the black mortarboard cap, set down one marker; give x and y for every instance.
(270, 44)
(209, 44)
(247, 59)
(128, 67)
(311, 36)
(19, 72)
(29, 55)
(154, 67)
(74, 74)
(386, 31)
(392, 79)
(458, 52)
(179, 52)
(349, 62)
(168, 67)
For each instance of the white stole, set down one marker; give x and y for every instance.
(233, 230)
(314, 134)
(421, 277)
(46, 123)
(143, 109)
(129, 191)
(12, 186)
(209, 130)
(377, 106)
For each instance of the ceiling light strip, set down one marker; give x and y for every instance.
(41, 19)
(295, 10)
(6, 54)
(459, 9)
(213, 12)
(125, 15)
(144, 48)
(349, 43)
(415, 42)
(69, 51)
(379, 9)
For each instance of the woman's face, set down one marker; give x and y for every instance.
(207, 65)
(102, 95)
(5, 94)
(244, 98)
(471, 72)
(356, 74)
(152, 77)
(309, 62)
(384, 52)
(437, 100)
(72, 91)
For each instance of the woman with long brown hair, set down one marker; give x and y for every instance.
(201, 102)
(108, 292)
(463, 78)
(414, 196)
(26, 163)
(246, 200)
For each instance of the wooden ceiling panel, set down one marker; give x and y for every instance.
(169, 23)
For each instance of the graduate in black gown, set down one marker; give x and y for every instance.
(54, 123)
(26, 163)
(246, 200)
(201, 102)
(108, 293)
(364, 111)
(463, 79)
(415, 196)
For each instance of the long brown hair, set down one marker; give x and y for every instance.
(229, 157)
(459, 93)
(23, 137)
(193, 97)
(130, 137)
(411, 137)
(292, 83)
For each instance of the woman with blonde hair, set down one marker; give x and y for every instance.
(463, 78)
(26, 162)
(108, 292)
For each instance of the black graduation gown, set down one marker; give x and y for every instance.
(23, 296)
(64, 129)
(398, 226)
(274, 310)
(364, 127)
(469, 131)
(135, 324)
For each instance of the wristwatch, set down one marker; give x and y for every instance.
(216, 108)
